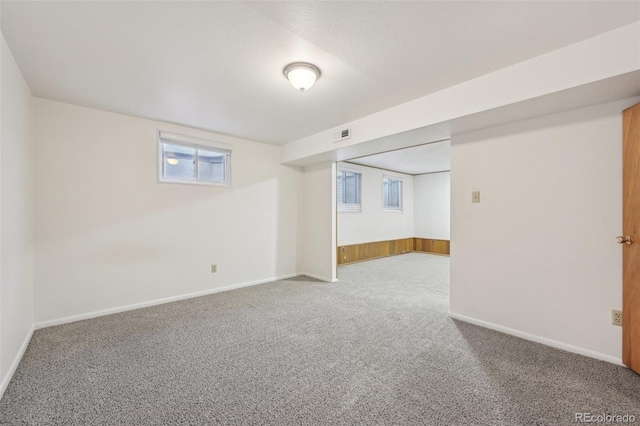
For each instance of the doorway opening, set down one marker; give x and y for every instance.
(394, 202)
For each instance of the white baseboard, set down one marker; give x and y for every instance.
(14, 365)
(538, 339)
(318, 277)
(88, 315)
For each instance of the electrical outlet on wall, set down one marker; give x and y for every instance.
(214, 268)
(616, 317)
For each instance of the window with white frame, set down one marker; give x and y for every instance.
(349, 184)
(187, 160)
(391, 194)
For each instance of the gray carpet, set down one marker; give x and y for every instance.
(375, 348)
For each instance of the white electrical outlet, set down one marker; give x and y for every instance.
(616, 317)
(214, 268)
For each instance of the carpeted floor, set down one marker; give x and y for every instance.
(375, 348)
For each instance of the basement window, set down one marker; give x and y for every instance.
(391, 194)
(188, 160)
(348, 191)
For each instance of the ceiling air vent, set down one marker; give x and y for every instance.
(342, 134)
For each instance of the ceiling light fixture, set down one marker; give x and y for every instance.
(173, 161)
(301, 75)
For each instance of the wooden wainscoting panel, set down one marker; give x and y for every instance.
(429, 245)
(374, 250)
(366, 251)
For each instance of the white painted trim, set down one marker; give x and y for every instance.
(393, 210)
(538, 339)
(16, 361)
(88, 315)
(318, 277)
(195, 144)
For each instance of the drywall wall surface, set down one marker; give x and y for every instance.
(432, 205)
(317, 235)
(538, 254)
(109, 235)
(372, 223)
(16, 216)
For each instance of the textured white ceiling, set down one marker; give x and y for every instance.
(429, 158)
(218, 65)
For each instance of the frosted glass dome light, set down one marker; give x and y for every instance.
(302, 75)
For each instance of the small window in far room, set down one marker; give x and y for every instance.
(391, 194)
(182, 160)
(349, 186)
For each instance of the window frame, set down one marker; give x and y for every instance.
(338, 204)
(400, 195)
(197, 144)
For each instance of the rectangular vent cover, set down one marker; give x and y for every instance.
(342, 134)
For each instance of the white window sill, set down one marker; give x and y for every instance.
(199, 183)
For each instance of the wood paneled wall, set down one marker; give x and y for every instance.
(428, 245)
(366, 251)
(374, 250)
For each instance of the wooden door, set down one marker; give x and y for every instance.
(631, 231)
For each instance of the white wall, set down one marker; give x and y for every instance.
(372, 223)
(537, 256)
(317, 223)
(16, 216)
(432, 205)
(108, 235)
